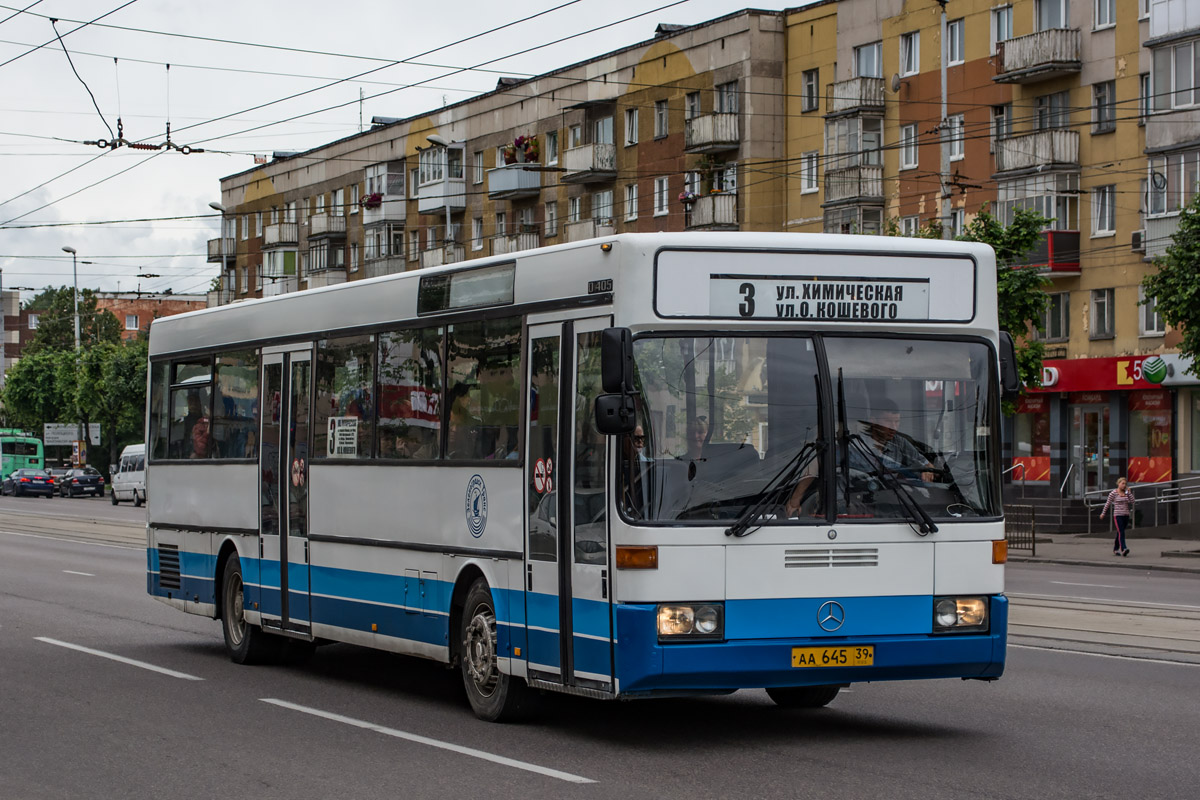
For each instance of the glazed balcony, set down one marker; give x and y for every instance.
(591, 163)
(854, 95)
(1040, 56)
(1040, 150)
(1056, 253)
(281, 234)
(711, 133)
(712, 212)
(513, 181)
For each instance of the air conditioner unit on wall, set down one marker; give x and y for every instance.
(1138, 242)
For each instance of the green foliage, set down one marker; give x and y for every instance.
(32, 395)
(56, 321)
(932, 229)
(1177, 284)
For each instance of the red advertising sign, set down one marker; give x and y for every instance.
(1033, 404)
(1088, 398)
(1156, 400)
(1102, 374)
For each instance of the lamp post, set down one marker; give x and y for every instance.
(75, 303)
(433, 138)
(226, 280)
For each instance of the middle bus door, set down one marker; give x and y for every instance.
(567, 572)
(283, 466)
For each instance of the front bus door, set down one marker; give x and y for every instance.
(567, 570)
(283, 493)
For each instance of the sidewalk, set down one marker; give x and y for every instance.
(1174, 555)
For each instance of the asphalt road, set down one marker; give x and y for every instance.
(175, 718)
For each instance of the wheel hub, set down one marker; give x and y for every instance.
(479, 649)
(236, 615)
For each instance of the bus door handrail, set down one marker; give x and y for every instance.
(1061, 494)
(1020, 464)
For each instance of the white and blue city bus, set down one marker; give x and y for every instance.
(644, 465)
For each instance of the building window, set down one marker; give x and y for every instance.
(602, 130)
(32, 319)
(552, 219)
(868, 60)
(1104, 107)
(631, 201)
(910, 53)
(631, 126)
(1172, 181)
(853, 219)
(602, 207)
(1054, 196)
(1106, 14)
(574, 137)
(1052, 111)
(290, 211)
(354, 257)
(808, 172)
(477, 233)
(1143, 9)
(954, 42)
(853, 141)
(725, 100)
(1143, 97)
(339, 203)
(1152, 323)
(691, 105)
(808, 90)
(1051, 14)
(908, 146)
(574, 209)
(413, 181)
(957, 222)
(956, 136)
(660, 197)
(131, 322)
(1001, 124)
(243, 280)
(910, 226)
(1174, 75)
(414, 245)
(501, 223)
(1104, 216)
(477, 167)
(1002, 29)
(1102, 314)
(660, 119)
(551, 147)
(1056, 321)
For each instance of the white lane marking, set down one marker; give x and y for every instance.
(412, 737)
(1105, 655)
(73, 572)
(131, 662)
(1097, 585)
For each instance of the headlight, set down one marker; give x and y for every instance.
(960, 614)
(691, 621)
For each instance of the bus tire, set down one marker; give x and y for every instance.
(494, 696)
(803, 696)
(245, 643)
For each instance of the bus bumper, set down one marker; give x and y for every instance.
(645, 666)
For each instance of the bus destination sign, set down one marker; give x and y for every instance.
(818, 297)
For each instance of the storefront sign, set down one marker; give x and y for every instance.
(1088, 398)
(1155, 400)
(1033, 404)
(1114, 374)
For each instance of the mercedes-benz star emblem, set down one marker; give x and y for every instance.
(830, 616)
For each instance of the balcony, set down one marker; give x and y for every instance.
(853, 184)
(1042, 150)
(389, 265)
(221, 250)
(281, 234)
(1159, 231)
(591, 163)
(274, 288)
(436, 197)
(392, 208)
(1057, 254)
(326, 225)
(712, 212)
(1039, 56)
(588, 229)
(854, 95)
(712, 133)
(503, 245)
(513, 181)
(437, 256)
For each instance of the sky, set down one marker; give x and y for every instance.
(235, 68)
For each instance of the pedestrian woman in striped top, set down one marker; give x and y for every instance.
(1120, 500)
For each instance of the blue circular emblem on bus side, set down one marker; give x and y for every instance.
(476, 506)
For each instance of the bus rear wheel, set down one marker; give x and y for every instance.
(803, 696)
(245, 643)
(494, 696)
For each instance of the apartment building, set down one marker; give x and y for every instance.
(681, 132)
(136, 310)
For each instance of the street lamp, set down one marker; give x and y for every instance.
(226, 278)
(433, 138)
(75, 302)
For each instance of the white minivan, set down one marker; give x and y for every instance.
(129, 481)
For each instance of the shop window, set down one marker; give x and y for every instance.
(1031, 439)
(1150, 436)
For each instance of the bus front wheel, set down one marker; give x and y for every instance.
(494, 696)
(245, 643)
(803, 696)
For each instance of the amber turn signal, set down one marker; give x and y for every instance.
(637, 557)
(1000, 551)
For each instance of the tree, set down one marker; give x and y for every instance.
(1176, 284)
(32, 392)
(56, 320)
(112, 391)
(1020, 298)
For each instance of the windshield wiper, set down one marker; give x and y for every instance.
(783, 482)
(912, 508)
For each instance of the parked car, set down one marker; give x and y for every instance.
(57, 474)
(129, 478)
(82, 480)
(29, 482)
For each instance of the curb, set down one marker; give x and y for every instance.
(1122, 564)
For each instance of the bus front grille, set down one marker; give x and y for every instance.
(168, 566)
(830, 557)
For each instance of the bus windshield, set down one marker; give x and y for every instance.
(726, 423)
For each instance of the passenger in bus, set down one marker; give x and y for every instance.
(250, 449)
(697, 437)
(201, 439)
(634, 478)
(895, 450)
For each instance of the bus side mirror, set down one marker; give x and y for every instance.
(615, 414)
(1010, 379)
(616, 359)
